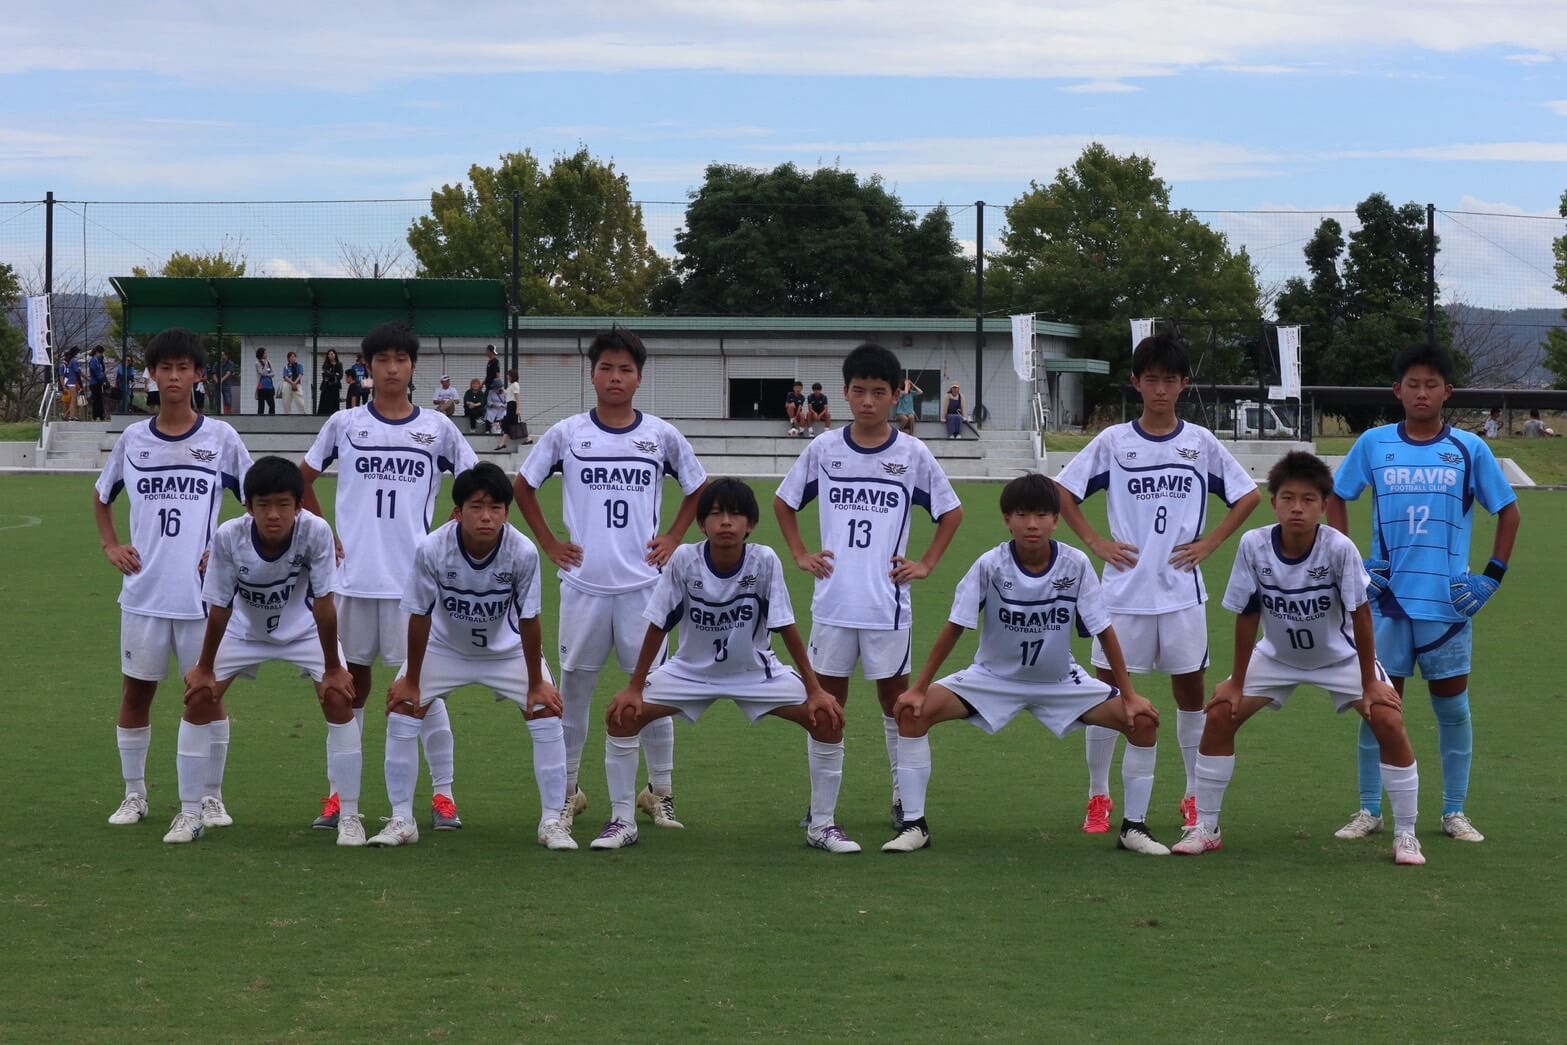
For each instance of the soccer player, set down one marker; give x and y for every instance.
(174, 468)
(1025, 595)
(816, 410)
(870, 478)
(727, 597)
(473, 605)
(612, 461)
(269, 594)
(1157, 473)
(1425, 477)
(391, 455)
(794, 406)
(1305, 585)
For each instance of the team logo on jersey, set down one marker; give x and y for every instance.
(298, 560)
(423, 438)
(696, 585)
(143, 455)
(363, 433)
(1389, 457)
(894, 468)
(1131, 455)
(586, 444)
(203, 454)
(1188, 453)
(1318, 573)
(1448, 458)
(1006, 585)
(748, 581)
(1266, 571)
(647, 446)
(1063, 583)
(244, 569)
(837, 464)
(451, 575)
(504, 577)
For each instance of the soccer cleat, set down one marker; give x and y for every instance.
(1188, 812)
(350, 830)
(915, 835)
(1135, 838)
(133, 810)
(185, 828)
(443, 814)
(617, 834)
(396, 832)
(659, 808)
(213, 814)
(555, 835)
(330, 808)
(576, 803)
(1406, 850)
(1362, 825)
(1457, 825)
(830, 839)
(1198, 840)
(897, 814)
(1097, 822)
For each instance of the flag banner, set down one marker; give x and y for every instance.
(1141, 328)
(38, 336)
(1289, 361)
(1023, 346)
(1276, 392)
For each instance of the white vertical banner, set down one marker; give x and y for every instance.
(1141, 328)
(1289, 361)
(39, 338)
(1023, 346)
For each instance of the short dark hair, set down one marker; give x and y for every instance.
(97, 350)
(1534, 412)
(260, 352)
(1300, 466)
(390, 337)
(872, 363)
(485, 477)
(292, 354)
(797, 384)
(1424, 353)
(619, 339)
(816, 386)
(1163, 351)
(270, 475)
(1030, 493)
(727, 495)
(174, 344)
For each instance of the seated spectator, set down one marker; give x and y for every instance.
(446, 397)
(473, 404)
(816, 410)
(903, 414)
(794, 407)
(1534, 428)
(954, 412)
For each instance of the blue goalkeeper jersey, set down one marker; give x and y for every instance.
(1422, 510)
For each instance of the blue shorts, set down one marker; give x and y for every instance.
(1442, 648)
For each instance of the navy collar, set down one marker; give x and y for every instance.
(1278, 547)
(1024, 570)
(255, 541)
(152, 426)
(593, 415)
(1403, 433)
(1180, 426)
(387, 420)
(857, 448)
(707, 557)
(479, 564)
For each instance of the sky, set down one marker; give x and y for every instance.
(1269, 105)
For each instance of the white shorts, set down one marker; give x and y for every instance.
(1275, 681)
(755, 692)
(371, 627)
(444, 672)
(590, 625)
(880, 654)
(146, 642)
(239, 656)
(1174, 643)
(1059, 706)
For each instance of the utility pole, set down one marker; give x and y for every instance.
(979, 310)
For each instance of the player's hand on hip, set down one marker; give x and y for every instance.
(818, 565)
(201, 567)
(1380, 692)
(1470, 593)
(822, 710)
(659, 549)
(1115, 553)
(123, 557)
(1135, 704)
(200, 685)
(402, 698)
(1227, 694)
(543, 700)
(906, 570)
(1188, 556)
(1381, 573)
(564, 554)
(337, 543)
(625, 709)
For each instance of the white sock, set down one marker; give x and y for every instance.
(1213, 776)
(359, 720)
(1137, 766)
(1403, 794)
(192, 753)
(220, 759)
(402, 763)
(1188, 733)
(576, 694)
(826, 763)
(440, 748)
(549, 766)
(1099, 746)
(134, 743)
(658, 747)
(889, 732)
(913, 775)
(347, 760)
(620, 771)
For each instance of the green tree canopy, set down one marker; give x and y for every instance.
(1556, 340)
(227, 262)
(13, 346)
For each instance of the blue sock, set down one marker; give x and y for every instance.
(1370, 753)
(1455, 743)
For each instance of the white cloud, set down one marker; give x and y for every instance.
(1558, 107)
(1530, 58)
(1478, 152)
(1259, 70)
(1101, 87)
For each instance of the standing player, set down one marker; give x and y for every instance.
(1025, 596)
(391, 456)
(794, 406)
(277, 564)
(1425, 477)
(473, 605)
(612, 461)
(870, 478)
(1157, 473)
(174, 467)
(816, 410)
(1305, 585)
(727, 597)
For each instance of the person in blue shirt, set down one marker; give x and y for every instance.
(97, 377)
(1425, 478)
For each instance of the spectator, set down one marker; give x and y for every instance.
(903, 414)
(492, 369)
(152, 391)
(446, 397)
(354, 394)
(1534, 428)
(511, 420)
(494, 409)
(366, 384)
(127, 380)
(954, 412)
(228, 379)
(266, 392)
(294, 386)
(97, 378)
(473, 404)
(331, 385)
(794, 406)
(70, 381)
(1493, 423)
(816, 410)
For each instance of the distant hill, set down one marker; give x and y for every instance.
(1505, 344)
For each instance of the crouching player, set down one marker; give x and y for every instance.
(269, 592)
(473, 601)
(1024, 596)
(727, 597)
(1306, 585)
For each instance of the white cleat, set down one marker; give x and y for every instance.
(830, 838)
(1136, 839)
(213, 814)
(617, 834)
(186, 828)
(351, 830)
(1406, 851)
(915, 835)
(576, 805)
(1363, 825)
(554, 835)
(133, 810)
(659, 808)
(1457, 825)
(396, 832)
(1198, 840)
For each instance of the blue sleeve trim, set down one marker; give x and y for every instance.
(808, 494)
(1095, 484)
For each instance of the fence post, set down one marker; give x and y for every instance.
(513, 343)
(979, 310)
(1431, 273)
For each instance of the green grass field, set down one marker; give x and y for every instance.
(1013, 926)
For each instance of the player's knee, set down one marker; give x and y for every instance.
(1144, 731)
(1387, 724)
(826, 734)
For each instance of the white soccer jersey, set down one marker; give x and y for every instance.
(1305, 603)
(388, 478)
(726, 620)
(868, 496)
(475, 605)
(272, 597)
(176, 486)
(1025, 619)
(1158, 489)
(614, 491)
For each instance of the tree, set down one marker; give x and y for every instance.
(1556, 340)
(784, 242)
(583, 247)
(14, 368)
(1100, 246)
